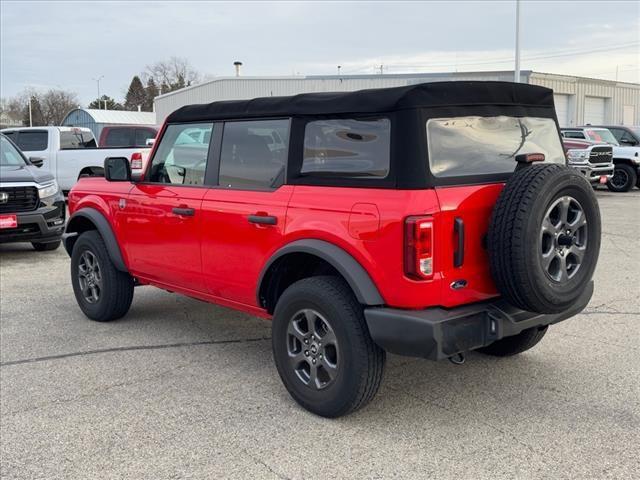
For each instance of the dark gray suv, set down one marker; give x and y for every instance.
(32, 207)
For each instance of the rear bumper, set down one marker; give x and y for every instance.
(438, 333)
(46, 224)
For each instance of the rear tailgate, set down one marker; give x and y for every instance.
(461, 256)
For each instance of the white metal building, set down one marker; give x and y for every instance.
(578, 100)
(96, 120)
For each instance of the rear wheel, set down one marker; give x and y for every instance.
(322, 347)
(624, 178)
(44, 247)
(508, 346)
(103, 292)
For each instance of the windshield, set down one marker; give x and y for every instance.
(601, 135)
(9, 155)
(462, 146)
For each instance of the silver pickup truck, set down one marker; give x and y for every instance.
(595, 162)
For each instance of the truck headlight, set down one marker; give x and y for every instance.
(577, 155)
(48, 190)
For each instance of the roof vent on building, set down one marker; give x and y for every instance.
(237, 65)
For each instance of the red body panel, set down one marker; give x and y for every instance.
(217, 254)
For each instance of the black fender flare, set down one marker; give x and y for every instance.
(356, 276)
(103, 227)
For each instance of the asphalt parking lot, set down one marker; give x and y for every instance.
(182, 389)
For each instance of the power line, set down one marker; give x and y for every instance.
(558, 54)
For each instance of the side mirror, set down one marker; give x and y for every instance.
(36, 161)
(117, 169)
(150, 142)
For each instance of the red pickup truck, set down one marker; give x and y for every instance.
(426, 220)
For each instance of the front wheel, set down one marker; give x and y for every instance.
(322, 347)
(624, 178)
(103, 292)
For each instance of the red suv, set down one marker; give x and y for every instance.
(426, 220)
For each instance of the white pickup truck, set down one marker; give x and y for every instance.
(67, 152)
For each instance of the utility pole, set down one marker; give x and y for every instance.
(339, 67)
(30, 116)
(97, 80)
(381, 69)
(516, 72)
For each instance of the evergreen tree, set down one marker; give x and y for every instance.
(136, 95)
(111, 104)
(152, 92)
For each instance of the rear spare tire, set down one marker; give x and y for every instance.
(544, 238)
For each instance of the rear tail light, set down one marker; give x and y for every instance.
(136, 161)
(418, 247)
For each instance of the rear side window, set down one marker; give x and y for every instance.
(118, 137)
(467, 146)
(347, 148)
(31, 141)
(181, 157)
(573, 134)
(254, 154)
(76, 139)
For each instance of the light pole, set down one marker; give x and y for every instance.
(97, 80)
(516, 71)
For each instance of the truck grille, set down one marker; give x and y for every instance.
(601, 155)
(18, 199)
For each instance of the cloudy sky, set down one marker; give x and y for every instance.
(67, 44)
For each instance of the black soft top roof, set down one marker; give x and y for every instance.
(433, 94)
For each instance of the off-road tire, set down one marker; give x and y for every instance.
(360, 361)
(631, 176)
(508, 346)
(45, 247)
(117, 287)
(515, 231)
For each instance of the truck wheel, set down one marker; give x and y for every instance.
(544, 238)
(44, 247)
(103, 292)
(624, 178)
(322, 347)
(508, 346)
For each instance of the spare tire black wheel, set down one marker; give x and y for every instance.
(544, 238)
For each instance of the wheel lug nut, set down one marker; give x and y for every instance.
(306, 352)
(306, 341)
(314, 361)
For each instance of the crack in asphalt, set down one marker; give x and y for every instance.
(131, 348)
(607, 312)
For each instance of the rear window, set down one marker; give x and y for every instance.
(70, 140)
(142, 135)
(118, 137)
(30, 141)
(347, 148)
(467, 146)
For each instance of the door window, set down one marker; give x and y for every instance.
(254, 154)
(181, 157)
(31, 140)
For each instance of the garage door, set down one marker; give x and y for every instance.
(594, 110)
(562, 109)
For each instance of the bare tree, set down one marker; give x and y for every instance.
(48, 108)
(174, 73)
